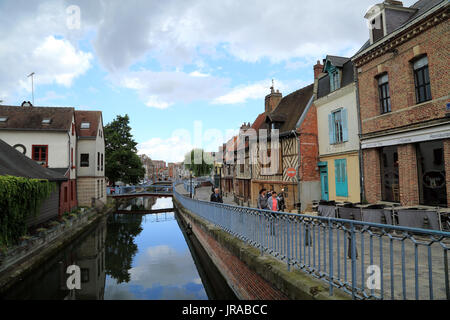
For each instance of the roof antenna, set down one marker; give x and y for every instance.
(32, 86)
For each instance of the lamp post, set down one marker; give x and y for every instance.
(219, 171)
(190, 184)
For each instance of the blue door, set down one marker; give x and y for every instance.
(324, 182)
(340, 167)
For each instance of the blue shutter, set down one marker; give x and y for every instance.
(331, 128)
(344, 125)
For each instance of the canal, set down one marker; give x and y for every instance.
(137, 255)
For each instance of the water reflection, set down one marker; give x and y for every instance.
(125, 256)
(159, 263)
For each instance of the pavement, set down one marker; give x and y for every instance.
(204, 193)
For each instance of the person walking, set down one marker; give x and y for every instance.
(262, 199)
(281, 201)
(273, 205)
(216, 197)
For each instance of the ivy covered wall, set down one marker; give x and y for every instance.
(20, 198)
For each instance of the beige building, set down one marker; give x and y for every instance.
(91, 157)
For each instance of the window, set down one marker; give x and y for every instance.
(73, 129)
(335, 82)
(98, 189)
(383, 91)
(3, 119)
(340, 168)
(389, 174)
(65, 194)
(46, 121)
(85, 125)
(102, 162)
(84, 160)
(431, 173)
(71, 158)
(40, 155)
(422, 80)
(337, 121)
(98, 161)
(72, 188)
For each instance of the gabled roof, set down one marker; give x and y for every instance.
(92, 117)
(323, 87)
(336, 61)
(14, 163)
(30, 118)
(290, 109)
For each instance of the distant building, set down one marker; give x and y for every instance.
(91, 181)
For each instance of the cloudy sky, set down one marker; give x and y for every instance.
(175, 66)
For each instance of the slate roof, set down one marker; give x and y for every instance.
(93, 117)
(290, 109)
(30, 118)
(323, 88)
(422, 7)
(14, 163)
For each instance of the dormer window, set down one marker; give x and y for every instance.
(335, 81)
(46, 121)
(85, 125)
(3, 119)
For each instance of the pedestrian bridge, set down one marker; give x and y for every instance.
(157, 190)
(275, 255)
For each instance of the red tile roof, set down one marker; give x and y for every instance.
(93, 117)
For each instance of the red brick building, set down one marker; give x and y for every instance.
(403, 83)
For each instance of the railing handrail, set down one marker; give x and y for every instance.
(328, 219)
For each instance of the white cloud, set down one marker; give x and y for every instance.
(258, 90)
(36, 40)
(171, 150)
(162, 89)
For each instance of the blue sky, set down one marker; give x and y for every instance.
(170, 63)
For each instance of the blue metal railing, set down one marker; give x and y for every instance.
(367, 260)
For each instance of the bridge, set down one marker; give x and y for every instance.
(157, 189)
(300, 256)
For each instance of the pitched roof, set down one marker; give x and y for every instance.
(14, 163)
(290, 109)
(323, 87)
(421, 6)
(92, 117)
(30, 118)
(337, 61)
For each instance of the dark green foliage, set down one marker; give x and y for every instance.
(121, 160)
(120, 247)
(199, 162)
(20, 198)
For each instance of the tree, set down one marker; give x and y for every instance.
(121, 160)
(199, 162)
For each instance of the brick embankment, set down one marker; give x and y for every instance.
(250, 275)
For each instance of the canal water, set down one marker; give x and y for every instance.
(130, 256)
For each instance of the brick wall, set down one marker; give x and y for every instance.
(372, 178)
(405, 111)
(309, 147)
(407, 170)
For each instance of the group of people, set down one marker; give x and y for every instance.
(271, 200)
(266, 200)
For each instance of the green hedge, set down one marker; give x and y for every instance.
(20, 198)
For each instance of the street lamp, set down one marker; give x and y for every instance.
(190, 184)
(219, 167)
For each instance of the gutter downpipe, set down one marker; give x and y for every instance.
(297, 135)
(362, 191)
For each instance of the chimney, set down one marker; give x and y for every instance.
(272, 100)
(318, 67)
